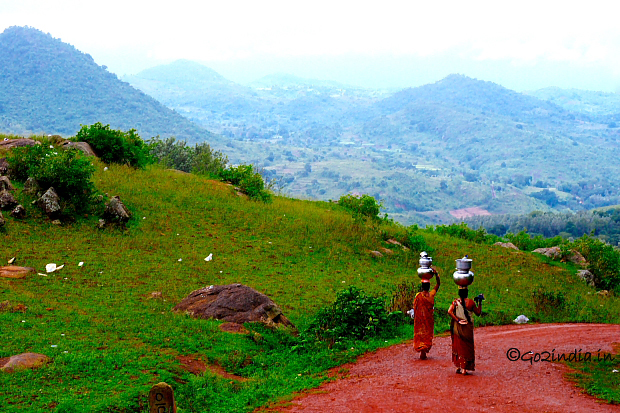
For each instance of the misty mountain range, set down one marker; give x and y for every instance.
(457, 147)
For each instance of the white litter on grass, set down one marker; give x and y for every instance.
(209, 257)
(143, 217)
(521, 319)
(105, 169)
(45, 275)
(80, 263)
(614, 371)
(54, 345)
(53, 267)
(180, 259)
(12, 260)
(411, 313)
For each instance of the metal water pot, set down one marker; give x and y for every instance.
(425, 272)
(463, 277)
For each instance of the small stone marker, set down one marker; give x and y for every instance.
(161, 399)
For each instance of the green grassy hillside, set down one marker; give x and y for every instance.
(109, 342)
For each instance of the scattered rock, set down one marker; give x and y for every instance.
(49, 203)
(31, 186)
(604, 293)
(2, 221)
(577, 258)
(507, 245)
(56, 222)
(553, 252)
(18, 212)
(13, 271)
(587, 276)
(17, 143)
(24, 361)
(7, 200)
(99, 198)
(101, 224)
(4, 166)
(156, 295)
(235, 303)
(116, 211)
(81, 146)
(521, 319)
(5, 184)
(376, 254)
(161, 399)
(386, 251)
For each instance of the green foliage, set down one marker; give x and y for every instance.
(353, 316)
(200, 159)
(248, 180)
(361, 205)
(416, 241)
(402, 299)
(461, 230)
(603, 261)
(68, 171)
(115, 146)
(526, 242)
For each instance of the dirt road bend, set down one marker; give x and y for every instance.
(395, 380)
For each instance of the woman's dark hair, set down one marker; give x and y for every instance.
(463, 294)
(425, 287)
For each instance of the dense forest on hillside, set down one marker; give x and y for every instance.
(47, 86)
(604, 224)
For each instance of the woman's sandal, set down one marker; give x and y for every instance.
(458, 371)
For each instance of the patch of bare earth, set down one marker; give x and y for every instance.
(394, 379)
(468, 212)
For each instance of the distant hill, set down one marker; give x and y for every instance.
(427, 152)
(47, 86)
(597, 105)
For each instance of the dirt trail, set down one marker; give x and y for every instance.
(395, 380)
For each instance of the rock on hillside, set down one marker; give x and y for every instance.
(234, 303)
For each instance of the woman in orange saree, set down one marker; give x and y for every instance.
(462, 332)
(423, 318)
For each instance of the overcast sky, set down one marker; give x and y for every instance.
(523, 45)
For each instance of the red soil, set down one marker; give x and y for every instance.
(394, 379)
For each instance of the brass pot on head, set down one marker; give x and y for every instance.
(463, 277)
(425, 272)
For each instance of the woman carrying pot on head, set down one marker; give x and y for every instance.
(462, 331)
(423, 317)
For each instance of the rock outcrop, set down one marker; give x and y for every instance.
(587, 276)
(49, 203)
(507, 245)
(23, 361)
(235, 303)
(31, 186)
(115, 211)
(81, 146)
(18, 212)
(555, 253)
(7, 200)
(17, 143)
(4, 166)
(5, 184)
(13, 271)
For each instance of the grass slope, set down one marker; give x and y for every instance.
(110, 342)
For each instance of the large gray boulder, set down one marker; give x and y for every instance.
(587, 276)
(7, 200)
(18, 212)
(507, 245)
(31, 186)
(554, 252)
(49, 203)
(23, 361)
(235, 303)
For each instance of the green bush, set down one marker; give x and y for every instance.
(353, 316)
(207, 161)
(248, 181)
(171, 153)
(603, 261)
(461, 230)
(115, 146)
(68, 171)
(364, 205)
(525, 242)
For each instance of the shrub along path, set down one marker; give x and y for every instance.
(394, 379)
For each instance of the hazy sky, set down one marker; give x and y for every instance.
(522, 45)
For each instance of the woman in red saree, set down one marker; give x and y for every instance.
(423, 317)
(462, 332)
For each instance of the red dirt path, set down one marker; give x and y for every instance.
(395, 380)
